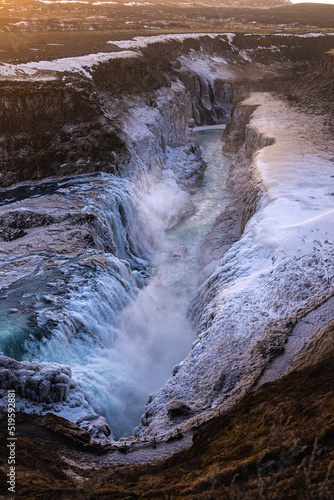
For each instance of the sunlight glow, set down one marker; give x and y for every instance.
(313, 1)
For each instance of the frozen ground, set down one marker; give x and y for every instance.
(45, 70)
(281, 268)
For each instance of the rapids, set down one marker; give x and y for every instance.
(116, 315)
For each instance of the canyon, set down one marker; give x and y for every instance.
(100, 160)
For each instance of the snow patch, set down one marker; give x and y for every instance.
(50, 2)
(134, 4)
(43, 69)
(140, 42)
(208, 67)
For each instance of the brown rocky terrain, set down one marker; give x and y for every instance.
(315, 94)
(32, 30)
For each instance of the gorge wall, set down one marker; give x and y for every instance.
(327, 61)
(273, 275)
(57, 118)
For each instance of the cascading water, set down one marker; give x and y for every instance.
(97, 311)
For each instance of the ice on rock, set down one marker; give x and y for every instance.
(98, 428)
(95, 252)
(45, 70)
(44, 382)
(280, 269)
(40, 387)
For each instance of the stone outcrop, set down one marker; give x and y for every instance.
(235, 131)
(315, 92)
(63, 428)
(320, 348)
(53, 129)
(39, 382)
(327, 62)
(253, 191)
(97, 427)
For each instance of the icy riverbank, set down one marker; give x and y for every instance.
(76, 254)
(281, 268)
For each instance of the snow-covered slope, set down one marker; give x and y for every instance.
(281, 267)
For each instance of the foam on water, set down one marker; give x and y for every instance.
(120, 332)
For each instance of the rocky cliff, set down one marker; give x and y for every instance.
(315, 92)
(53, 129)
(327, 62)
(244, 186)
(54, 123)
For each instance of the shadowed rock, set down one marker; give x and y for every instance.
(97, 427)
(177, 409)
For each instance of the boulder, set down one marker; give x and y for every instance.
(97, 427)
(39, 382)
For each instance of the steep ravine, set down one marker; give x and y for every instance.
(52, 114)
(274, 274)
(91, 239)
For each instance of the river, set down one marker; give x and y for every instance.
(120, 332)
(154, 332)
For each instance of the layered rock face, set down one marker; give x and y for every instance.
(235, 131)
(327, 62)
(97, 427)
(244, 184)
(315, 92)
(50, 129)
(56, 124)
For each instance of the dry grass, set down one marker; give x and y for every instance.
(277, 444)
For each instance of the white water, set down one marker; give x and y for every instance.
(154, 333)
(122, 338)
